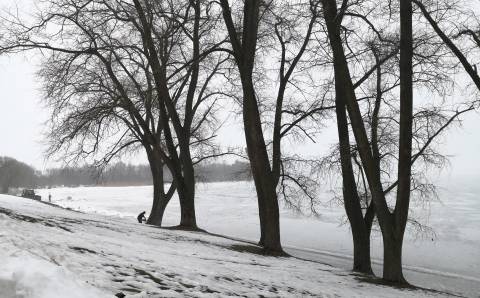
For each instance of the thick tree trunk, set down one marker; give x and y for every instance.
(269, 223)
(160, 199)
(392, 259)
(361, 251)
(188, 218)
(272, 244)
(158, 209)
(261, 215)
(186, 195)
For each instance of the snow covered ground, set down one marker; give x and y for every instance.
(49, 252)
(452, 254)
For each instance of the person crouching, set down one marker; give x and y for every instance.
(141, 217)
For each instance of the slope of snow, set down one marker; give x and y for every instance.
(25, 275)
(52, 252)
(230, 208)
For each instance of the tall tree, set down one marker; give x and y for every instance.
(103, 85)
(373, 149)
(292, 46)
(360, 225)
(150, 13)
(244, 52)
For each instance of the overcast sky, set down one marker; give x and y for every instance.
(22, 119)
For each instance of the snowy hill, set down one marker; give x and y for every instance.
(49, 252)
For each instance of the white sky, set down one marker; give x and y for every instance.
(22, 119)
(21, 113)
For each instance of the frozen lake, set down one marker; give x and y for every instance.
(230, 208)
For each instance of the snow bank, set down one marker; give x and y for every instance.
(27, 276)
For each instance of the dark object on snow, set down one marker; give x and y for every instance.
(141, 217)
(120, 295)
(30, 194)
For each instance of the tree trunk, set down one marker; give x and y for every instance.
(262, 174)
(351, 200)
(269, 222)
(392, 225)
(267, 203)
(392, 259)
(358, 224)
(393, 233)
(245, 52)
(186, 195)
(272, 244)
(186, 192)
(360, 230)
(361, 251)
(158, 209)
(160, 199)
(261, 215)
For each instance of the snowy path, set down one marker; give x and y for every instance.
(52, 252)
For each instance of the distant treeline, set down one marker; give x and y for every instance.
(16, 174)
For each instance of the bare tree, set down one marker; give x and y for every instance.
(103, 85)
(292, 46)
(158, 58)
(472, 33)
(393, 142)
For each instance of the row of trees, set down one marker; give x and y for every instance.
(121, 174)
(15, 174)
(156, 75)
